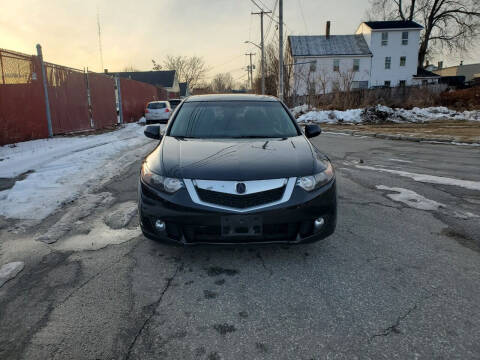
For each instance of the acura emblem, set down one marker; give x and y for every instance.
(241, 188)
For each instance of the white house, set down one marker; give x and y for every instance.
(323, 63)
(381, 53)
(394, 45)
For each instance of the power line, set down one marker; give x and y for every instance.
(271, 20)
(303, 16)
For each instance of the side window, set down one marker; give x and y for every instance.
(336, 65)
(384, 38)
(405, 38)
(387, 83)
(356, 64)
(403, 60)
(388, 62)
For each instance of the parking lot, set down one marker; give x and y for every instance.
(400, 278)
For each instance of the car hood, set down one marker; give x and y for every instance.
(234, 159)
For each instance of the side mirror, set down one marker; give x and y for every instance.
(153, 132)
(312, 131)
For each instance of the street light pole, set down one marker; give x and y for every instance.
(262, 47)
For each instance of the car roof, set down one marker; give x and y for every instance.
(158, 101)
(231, 97)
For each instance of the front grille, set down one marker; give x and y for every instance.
(240, 201)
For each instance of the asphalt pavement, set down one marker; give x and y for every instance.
(399, 279)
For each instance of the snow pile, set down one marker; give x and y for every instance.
(299, 110)
(62, 168)
(381, 114)
(332, 117)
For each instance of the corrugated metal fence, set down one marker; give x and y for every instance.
(78, 101)
(22, 104)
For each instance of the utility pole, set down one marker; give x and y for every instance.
(250, 70)
(261, 13)
(100, 38)
(45, 90)
(280, 49)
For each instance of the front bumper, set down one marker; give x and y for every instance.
(188, 223)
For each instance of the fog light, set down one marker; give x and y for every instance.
(318, 223)
(160, 225)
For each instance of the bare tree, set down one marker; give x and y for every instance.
(222, 83)
(323, 80)
(189, 69)
(448, 24)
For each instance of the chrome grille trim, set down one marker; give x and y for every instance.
(254, 186)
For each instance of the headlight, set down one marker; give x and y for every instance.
(313, 182)
(162, 183)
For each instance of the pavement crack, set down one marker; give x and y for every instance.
(395, 327)
(155, 306)
(263, 263)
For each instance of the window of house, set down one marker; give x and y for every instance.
(387, 83)
(424, 82)
(405, 38)
(388, 62)
(384, 38)
(403, 60)
(313, 66)
(359, 84)
(336, 65)
(402, 83)
(356, 64)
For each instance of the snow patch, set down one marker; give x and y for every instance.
(411, 198)
(440, 180)
(72, 217)
(100, 236)
(398, 115)
(10, 270)
(120, 217)
(64, 168)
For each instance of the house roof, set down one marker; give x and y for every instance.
(183, 88)
(400, 24)
(423, 73)
(161, 78)
(320, 45)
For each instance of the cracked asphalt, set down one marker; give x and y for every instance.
(393, 282)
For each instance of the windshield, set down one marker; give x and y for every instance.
(233, 119)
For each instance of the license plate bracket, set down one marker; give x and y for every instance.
(242, 225)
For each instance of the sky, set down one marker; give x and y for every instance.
(135, 32)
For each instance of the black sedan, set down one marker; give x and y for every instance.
(236, 169)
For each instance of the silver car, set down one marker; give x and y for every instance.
(157, 112)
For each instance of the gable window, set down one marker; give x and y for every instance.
(384, 38)
(403, 60)
(336, 65)
(356, 64)
(387, 83)
(402, 83)
(405, 38)
(388, 62)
